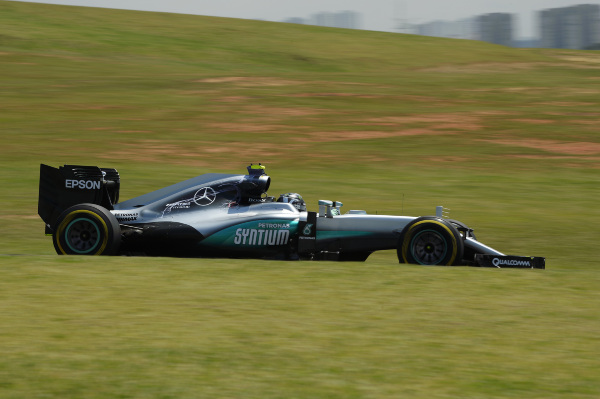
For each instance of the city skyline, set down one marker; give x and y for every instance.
(383, 15)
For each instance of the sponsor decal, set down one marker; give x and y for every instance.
(82, 184)
(307, 239)
(510, 262)
(205, 196)
(179, 205)
(307, 230)
(274, 225)
(126, 217)
(229, 204)
(261, 236)
(254, 235)
(184, 204)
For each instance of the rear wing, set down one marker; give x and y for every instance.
(72, 184)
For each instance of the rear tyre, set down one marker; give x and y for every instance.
(87, 229)
(430, 241)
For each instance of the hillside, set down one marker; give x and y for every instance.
(164, 96)
(390, 123)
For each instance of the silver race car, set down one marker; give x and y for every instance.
(224, 215)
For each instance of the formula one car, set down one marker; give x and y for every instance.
(224, 215)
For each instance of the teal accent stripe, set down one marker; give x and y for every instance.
(323, 235)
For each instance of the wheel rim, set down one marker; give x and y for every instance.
(82, 236)
(429, 247)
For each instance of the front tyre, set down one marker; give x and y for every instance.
(430, 241)
(87, 229)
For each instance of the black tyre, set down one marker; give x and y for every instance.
(430, 241)
(87, 229)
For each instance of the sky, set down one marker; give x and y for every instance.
(382, 15)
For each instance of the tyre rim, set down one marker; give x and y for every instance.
(82, 236)
(429, 247)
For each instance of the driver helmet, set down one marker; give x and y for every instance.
(295, 199)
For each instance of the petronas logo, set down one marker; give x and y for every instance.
(307, 230)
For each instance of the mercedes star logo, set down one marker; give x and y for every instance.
(205, 196)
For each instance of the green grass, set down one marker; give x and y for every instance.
(181, 329)
(505, 138)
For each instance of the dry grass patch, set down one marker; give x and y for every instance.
(355, 95)
(249, 81)
(248, 127)
(535, 121)
(202, 153)
(275, 111)
(487, 67)
(434, 121)
(588, 57)
(557, 147)
(566, 104)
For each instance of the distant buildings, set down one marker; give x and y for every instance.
(295, 20)
(342, 19)
(495, 28)
(575, 27)
(462, 29)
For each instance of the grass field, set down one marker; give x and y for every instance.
(508, 139)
